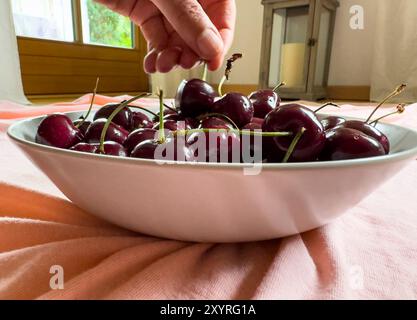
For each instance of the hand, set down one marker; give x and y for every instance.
(181, 32)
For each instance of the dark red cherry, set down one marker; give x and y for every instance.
(145, 149)
(170, 125)
(252, 144)
(370, 131)
(123, 118)
(345, 143)
(176, 149)
(112, 148)
(85, 147)
(140, 120)
(236, 106)
(173, 116)
(114, 133)
(194, 97)
(257, 120)
(167, 112)
(215, 123)
(331, 122)
(217, 152)
(217, 139)
(253, 126)
(264, 101)
(138, 136)
(170, 150)
(189, 122)
(57, 130)
(173, 125)
(218, 146)
(292, 118)
(84, 126)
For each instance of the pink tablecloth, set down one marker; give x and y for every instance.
(371, 252)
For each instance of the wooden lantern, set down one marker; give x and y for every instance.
(296, 46)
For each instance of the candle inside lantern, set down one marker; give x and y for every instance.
(292, 64)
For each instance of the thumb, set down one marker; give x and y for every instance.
(190, 21)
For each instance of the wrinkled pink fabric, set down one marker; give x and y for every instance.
(370, 252)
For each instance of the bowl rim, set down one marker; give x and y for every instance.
(402, 155)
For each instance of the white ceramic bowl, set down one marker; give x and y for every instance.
(214, 202)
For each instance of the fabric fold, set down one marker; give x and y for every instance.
(368, 253)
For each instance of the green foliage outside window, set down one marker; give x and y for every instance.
(108, 27)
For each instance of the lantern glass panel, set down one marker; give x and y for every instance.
(322, 47)
(288, 47)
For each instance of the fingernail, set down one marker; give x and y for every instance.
(150, 61)
(209, 44)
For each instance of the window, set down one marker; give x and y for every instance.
(44, 19)
(104, 27)
(55, 20)
(65, 44)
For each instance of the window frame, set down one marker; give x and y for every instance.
(42, 59)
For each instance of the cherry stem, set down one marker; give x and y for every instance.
(229, 66)
(293, 145)
(211, 115)
(242, 132)
(161, 138)
(114, 113)
(170, 108)
(278, 86)
(326, 105)
(396, 92)
(84, 118)
(220, 87)
(144, 109)
(400, 110)
(205, 72)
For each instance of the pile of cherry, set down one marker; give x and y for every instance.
(288, 132)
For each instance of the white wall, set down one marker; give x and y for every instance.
(352, 49)
(247, 41)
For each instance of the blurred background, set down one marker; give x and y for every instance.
(350, 50)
